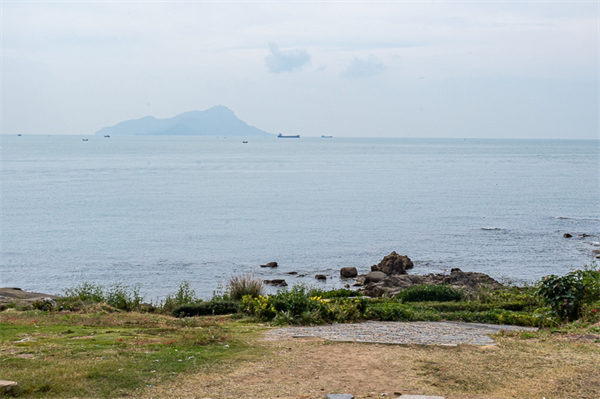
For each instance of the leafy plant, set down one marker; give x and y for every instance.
(184, 296)
(567, 295)
(123, 297)
(85, 292)
(342, 293)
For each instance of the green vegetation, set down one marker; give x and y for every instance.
(207, 309)
(106, 342)
(573, 296)
(426, 293)
(240, 286)
(100, 354)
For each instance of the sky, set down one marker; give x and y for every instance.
(465, 69)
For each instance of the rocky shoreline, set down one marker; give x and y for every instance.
(390, 276)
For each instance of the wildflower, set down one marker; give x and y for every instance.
(120, 339)
(595, 310)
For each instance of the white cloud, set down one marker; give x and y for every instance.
(285, 61)
(364, 68)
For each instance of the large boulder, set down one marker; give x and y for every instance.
(375, 277)
(348, 272)
(393, 264)
(270, 264)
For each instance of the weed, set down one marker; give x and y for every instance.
(240, 286)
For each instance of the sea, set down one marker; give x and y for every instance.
(155, 211)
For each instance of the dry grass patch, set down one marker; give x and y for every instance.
(514, 368)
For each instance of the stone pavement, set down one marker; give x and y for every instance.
(403, 333)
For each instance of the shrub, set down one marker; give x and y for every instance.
(123, 297)
(425, 293)
(300, 305)
(206, 309)
(85, 292)
(240, 286)
(343, 293)
(184, 296)
(567, 294)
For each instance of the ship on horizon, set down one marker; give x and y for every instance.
(281, 136)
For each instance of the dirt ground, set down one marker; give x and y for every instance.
(311, 368)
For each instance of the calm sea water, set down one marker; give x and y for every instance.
(160, 210)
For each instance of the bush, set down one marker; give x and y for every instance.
(118, 295)
(300, 305)
(567, 294)
(123, 297)
(426, 293)
(184, 296)
(207, 309)
(85, 292)
(343, 293)
(240, 286)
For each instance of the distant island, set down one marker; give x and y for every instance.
(216, 121)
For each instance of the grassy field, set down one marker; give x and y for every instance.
(130, 354)
(99, 354)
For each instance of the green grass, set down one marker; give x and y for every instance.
(107, 355)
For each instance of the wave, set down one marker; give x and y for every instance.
(576, 218)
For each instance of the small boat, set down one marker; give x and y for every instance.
(281, 136)
(19, 134)
(85, 139)
(106, 135)
(326, 137)
(245, 142)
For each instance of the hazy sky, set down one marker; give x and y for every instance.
(407, 69)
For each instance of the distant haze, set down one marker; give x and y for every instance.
(216, 121)
(485, 69)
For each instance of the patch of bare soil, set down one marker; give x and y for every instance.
(311, 368)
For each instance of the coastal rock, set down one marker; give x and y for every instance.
(7, 386)
(470, 282)
(393, 264)
(360, 280)
(321, 277)
(375, 277)
(567, 235)
(23, 298)
(276, 282)
(348, 272)
(270, 264)
(292, 273)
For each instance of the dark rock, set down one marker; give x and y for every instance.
(346, 286)
(321, 277)
(393, 264)
(567, 235)
(584, 235)
(292, 273)
(348, 272)
(375, 277)
(276, 282)
(470, 282)
(270, 264)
